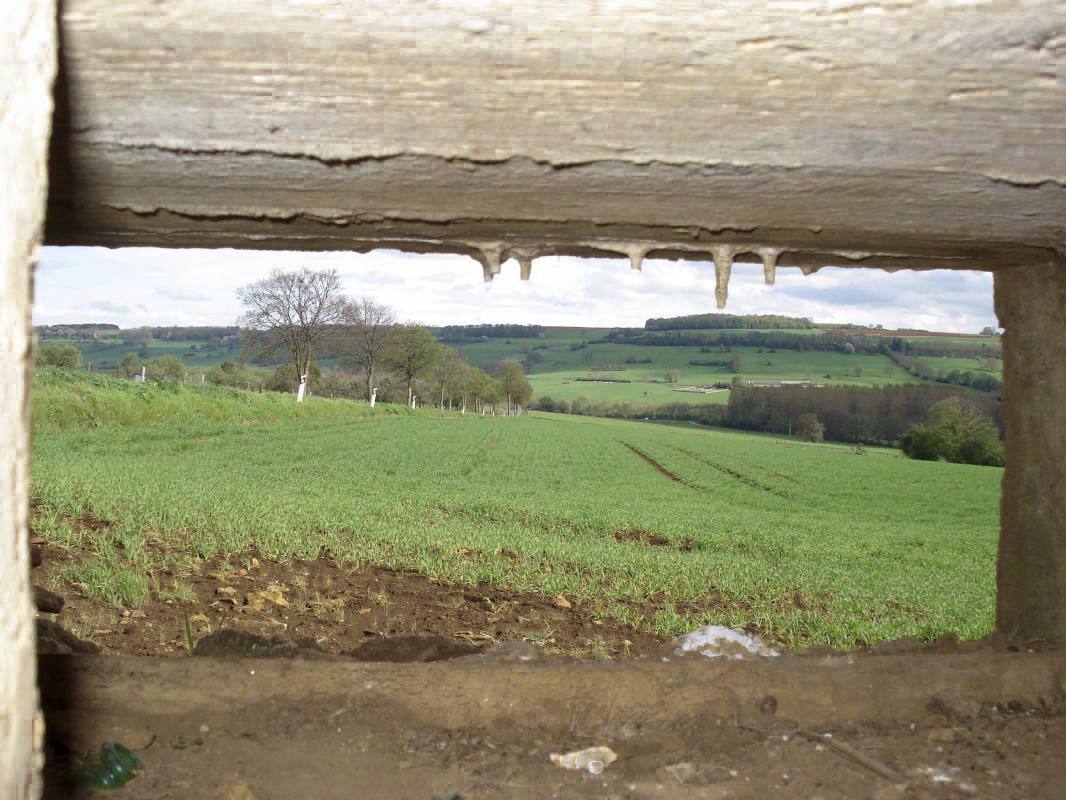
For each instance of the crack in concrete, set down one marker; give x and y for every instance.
(333, 156)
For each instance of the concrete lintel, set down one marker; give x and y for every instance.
(900, 135)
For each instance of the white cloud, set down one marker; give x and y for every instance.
(147, 286)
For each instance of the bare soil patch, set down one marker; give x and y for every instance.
(338, 608)
(653, 539)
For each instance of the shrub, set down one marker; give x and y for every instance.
(809, 429)
(957, 433)
(56, 354)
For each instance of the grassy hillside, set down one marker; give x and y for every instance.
(71, 399)
(664, 527)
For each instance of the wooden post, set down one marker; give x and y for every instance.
(1031, 573)
(28, 48)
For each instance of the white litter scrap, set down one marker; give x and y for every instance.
(594, 759)
(715, 641)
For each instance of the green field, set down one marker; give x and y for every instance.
(107, 353)
(812, 544)
(557, 374)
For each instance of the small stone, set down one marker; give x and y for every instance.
(137, 614)
(955, 704)
(226, 591)
(942, 735)
(561, 602)
(768, 705)
(681, 771)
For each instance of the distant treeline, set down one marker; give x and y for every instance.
(783, 340)
(72, 330)
(714, 321)
(473, 333)
(200, 333)
(857, 414)
(920, 369)
(850, 413)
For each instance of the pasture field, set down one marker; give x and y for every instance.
(965, 364)
(107, 353)
(557, 374)
(808, 544)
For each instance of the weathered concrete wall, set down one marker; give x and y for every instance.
(912, 133)
(27, 66)
(1031, 573)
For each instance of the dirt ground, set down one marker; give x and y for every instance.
(906, 720)
(340, 609)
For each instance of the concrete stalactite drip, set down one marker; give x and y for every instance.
(769, 257)
(723, 268)
(490, 259)
(637, 254)
(524, 257)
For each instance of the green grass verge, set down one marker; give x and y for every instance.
(67, 399)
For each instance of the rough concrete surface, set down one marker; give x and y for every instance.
(902, 134)
(1031, 571)
(27, 66)
(480, 727)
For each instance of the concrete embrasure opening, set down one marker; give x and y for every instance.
(131, 164)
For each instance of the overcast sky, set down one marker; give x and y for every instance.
(148, 286)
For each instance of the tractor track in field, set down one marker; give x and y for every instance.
(658, 467)
(732, 473)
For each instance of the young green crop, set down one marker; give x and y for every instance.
(811, 544)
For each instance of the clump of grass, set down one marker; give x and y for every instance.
(52, 526)
(179, 593)
(107, 579)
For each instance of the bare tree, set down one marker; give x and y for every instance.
(372, 325)
(292, 312)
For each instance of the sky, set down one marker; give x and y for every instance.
(132, 287)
